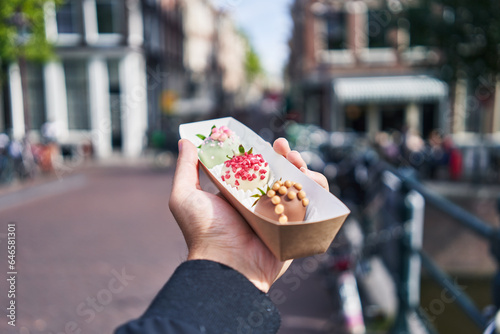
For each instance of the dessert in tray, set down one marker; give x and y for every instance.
(284, 202)
(248, 171)
(215, 148)
(291, 214)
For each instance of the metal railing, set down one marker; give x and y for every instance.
(467, 220)
(339, 157)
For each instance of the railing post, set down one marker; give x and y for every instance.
(410, 265)
(495, 251)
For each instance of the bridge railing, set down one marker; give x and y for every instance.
(410, 247)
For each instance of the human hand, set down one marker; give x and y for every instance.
(282, 147)
(215, 231)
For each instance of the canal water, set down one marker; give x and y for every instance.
(463, 255)
(443, 312)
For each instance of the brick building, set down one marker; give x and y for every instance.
(354, 66)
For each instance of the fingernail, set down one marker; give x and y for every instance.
(303, 169)
(179, 144)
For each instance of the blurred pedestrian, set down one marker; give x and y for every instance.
(414, 147)
(4, 158)
(388, 146)
(436, 153)
(454, 158)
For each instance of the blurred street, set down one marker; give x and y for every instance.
(76, 237)
(396, 103)
(96, 246)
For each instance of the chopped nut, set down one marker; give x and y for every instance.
(279, 209)
(305, 202)
(292, 195)
(271, 193)
(298, 186)
(283, 219)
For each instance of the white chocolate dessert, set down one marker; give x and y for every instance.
(246, 172)
(215, 149)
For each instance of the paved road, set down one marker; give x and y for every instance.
(96, 246)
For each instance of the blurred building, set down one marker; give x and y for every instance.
(201, 57)
(214, 58)
(124, 67)
(232, 49)
(164, 50)
(354, 66)
(95, 91)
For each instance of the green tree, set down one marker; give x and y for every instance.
(23, 38)
(22, 30)
(253, 65)
(467, 33)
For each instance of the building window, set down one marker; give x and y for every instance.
(336, 31)
(355, 118)
(420, 30)
(110, 16)
(379, 22)
(68, 18)
(76, 74)
(430, 119)
(392, 118)
(36, 96)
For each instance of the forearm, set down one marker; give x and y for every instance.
(209, 296)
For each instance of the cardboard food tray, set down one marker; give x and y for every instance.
(325, 213)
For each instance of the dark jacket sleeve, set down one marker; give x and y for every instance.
(207, 297)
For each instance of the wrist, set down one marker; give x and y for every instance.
(235, 264)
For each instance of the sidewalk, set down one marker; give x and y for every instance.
(69, 168)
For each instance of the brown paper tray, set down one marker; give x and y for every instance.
(325, 215)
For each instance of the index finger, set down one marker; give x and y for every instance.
(186, 175)
(281, 146)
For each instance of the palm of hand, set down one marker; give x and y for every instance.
(224, 231)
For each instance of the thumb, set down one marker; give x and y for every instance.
(186, 176)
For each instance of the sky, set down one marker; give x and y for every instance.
(268, 25)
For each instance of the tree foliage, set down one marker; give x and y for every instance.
(467, 32)
(22, 30)
(253, 65)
